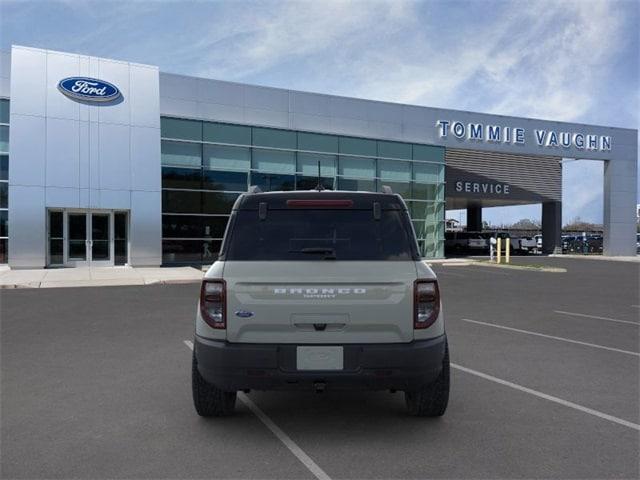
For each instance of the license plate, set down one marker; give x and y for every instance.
(320, 358)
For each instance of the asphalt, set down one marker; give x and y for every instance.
(96, 384)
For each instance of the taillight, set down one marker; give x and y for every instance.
(426, 303)
(213, 303)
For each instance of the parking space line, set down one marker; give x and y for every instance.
(551, 398)
(596, 317)
(562, 339)
(279, 433)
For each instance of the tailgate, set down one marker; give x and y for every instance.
(320, 301)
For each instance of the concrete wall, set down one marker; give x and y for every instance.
(71, 154)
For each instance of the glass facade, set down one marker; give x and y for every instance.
(206, 165)
(4, 180)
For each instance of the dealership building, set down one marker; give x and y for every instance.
(107, 162)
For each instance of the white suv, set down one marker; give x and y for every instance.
(320, 290)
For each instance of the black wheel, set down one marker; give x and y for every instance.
(209, 400)
(431, 400)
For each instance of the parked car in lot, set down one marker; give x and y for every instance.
(474, 243)
(582, 244)
(318, 290)
(527, 245)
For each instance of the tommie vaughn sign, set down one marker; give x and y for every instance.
(88, 89)
(479, 132)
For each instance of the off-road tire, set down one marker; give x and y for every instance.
(431, 400)
(209, 400)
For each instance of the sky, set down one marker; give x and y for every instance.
(558, 60)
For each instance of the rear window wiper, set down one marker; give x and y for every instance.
(330, 252)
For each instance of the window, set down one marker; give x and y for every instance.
(274, 161)
(190, 178)
(4, 111)
(308, 164)
(216, 180)
(4, 167)
(311, 183)
(394, 150)
(321, 234)
(4, 139)
(205, 165)
(218, 202)
(394, 170)
(180, 153)
(427, 153)
(428, 173)
(356, 185)
(214, 226)
(269, 182)
(181, 226)
(176, 201)
(224, 133)
(4, 223)
(401, 188)
(425, 191)
(182, 251)
(227, 158)
(317, 143)
(358, 146)
(182, 129)
(271, 137)
(4, 195)
(355, 167)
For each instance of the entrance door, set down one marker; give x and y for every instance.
(77, 240)
(90, 238)
(100, 244)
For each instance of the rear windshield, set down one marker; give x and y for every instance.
(320, 235)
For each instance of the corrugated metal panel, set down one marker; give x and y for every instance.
(539, 175)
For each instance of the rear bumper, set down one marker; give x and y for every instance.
(401, 366)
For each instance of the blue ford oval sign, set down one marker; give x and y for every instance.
(89, 89)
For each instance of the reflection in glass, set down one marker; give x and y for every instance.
(311, 183)
(356, 185)
(273, 182)
(231, 181)
(173, 177)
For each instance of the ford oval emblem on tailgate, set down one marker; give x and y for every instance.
(244, 314)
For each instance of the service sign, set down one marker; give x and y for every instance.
(88, 89)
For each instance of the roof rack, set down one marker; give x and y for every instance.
(386, 189)
(254, 189)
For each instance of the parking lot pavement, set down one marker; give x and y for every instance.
(96, 383)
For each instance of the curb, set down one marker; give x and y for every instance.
(521, 267)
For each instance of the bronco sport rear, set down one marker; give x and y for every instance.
(320, 290)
